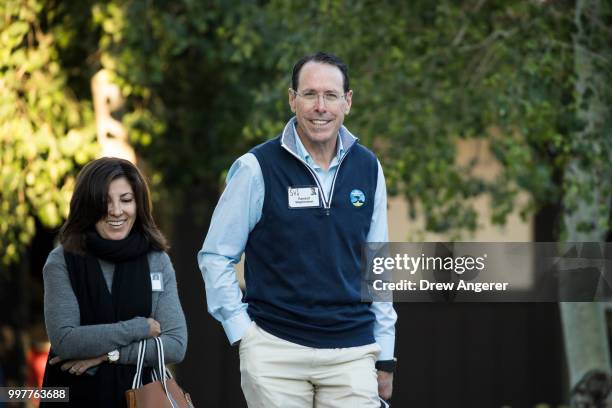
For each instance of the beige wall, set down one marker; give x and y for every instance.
(401, 228)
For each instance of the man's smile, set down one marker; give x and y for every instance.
(320, 122)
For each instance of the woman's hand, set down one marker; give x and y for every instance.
(78, 367)
(154, 327)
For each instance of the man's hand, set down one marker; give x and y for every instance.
(385, 384)
(78, 367)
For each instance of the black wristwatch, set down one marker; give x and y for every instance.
(386, 365)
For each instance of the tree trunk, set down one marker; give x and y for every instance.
(587, 205)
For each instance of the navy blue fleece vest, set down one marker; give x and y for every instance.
(302, 266)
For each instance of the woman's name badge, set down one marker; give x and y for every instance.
(304, 197)
(157, 285)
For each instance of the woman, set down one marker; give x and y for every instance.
(107, 286)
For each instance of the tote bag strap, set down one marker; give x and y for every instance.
(167, 373)
(161, 369)
(161, 360)
(142, 349)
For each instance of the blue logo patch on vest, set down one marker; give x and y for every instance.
(357, 198)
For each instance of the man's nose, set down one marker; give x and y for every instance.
(320, 103)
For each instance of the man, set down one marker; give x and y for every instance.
(300, 206)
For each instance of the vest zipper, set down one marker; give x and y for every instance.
(326, 204)
(331, 191)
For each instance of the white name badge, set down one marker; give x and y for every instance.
(157, 285)
(304, 197)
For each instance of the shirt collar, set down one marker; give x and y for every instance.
(291, 140)
(305, 155)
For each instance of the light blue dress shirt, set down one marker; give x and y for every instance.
(238, 211)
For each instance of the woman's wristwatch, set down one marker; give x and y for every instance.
(113, 356)
(387, 366)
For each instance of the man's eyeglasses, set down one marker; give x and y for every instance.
(310, 97)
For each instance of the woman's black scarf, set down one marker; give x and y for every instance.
(131, 297)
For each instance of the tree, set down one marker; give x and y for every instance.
(45, 131)
(588, 192)
(46, 134)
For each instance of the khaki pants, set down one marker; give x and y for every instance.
(278, 373)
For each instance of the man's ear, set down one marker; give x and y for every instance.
(291, 95)
(349, 102)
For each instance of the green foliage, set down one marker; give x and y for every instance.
(425, 76)
(44, 132)
(181, 66)
(587, 179)
(204, 81)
